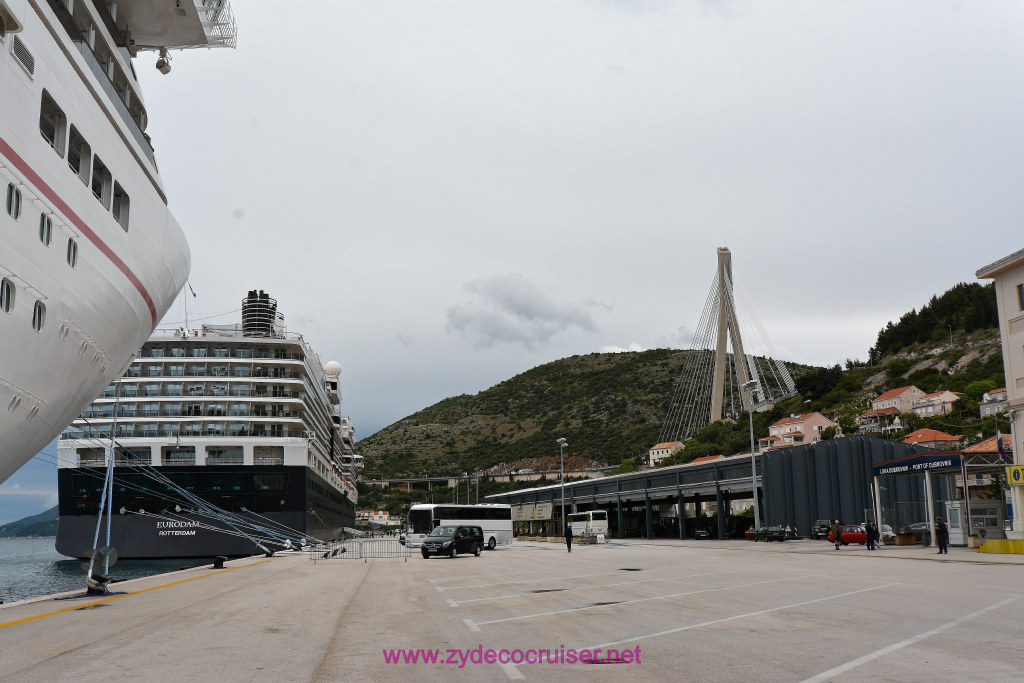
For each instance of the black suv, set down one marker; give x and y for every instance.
(452, 540)
(820, 528)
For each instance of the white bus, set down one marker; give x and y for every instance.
(495, 520)
(590, 522)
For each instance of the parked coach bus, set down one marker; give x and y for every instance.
(589, 523)
(495, 520)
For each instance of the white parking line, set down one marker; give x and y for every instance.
(740, 616)
(629, 602)
(455, 603)
(831, 673)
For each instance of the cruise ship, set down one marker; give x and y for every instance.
(92, 257)
(244, 417)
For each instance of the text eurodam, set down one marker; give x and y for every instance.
(176, 528)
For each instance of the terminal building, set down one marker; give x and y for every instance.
(852, 479)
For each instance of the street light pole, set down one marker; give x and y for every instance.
(749, 389)
(561, 473)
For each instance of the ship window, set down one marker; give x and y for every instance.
(176, 371)
(129, 390)
(172, 409)
(151, 389)
(126, 430)
(72, 252)
(52, 124)
(220, 353)
(155, 370)
(38, 316)
(101, 182)
(121, 206)
(224, 456)
(6, 295)
(242, 371)
(79, 155)
(195, 389)
(179, 456)
(45, 229)
(13, 201)
(239, 390)
(219, 371)
(156, 352)
(177, 352)
(243, 353)
(199, 352)
(197, 370)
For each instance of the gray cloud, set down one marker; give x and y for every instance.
(510, 309)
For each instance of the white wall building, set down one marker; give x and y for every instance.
(1008, 274)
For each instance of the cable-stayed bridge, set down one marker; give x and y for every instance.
(720, 379)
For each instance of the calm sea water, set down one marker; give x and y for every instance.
(30, 567)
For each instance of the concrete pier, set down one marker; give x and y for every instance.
(699, 610)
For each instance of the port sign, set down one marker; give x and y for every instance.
(1015, 475)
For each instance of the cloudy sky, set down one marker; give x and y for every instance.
(443, 194)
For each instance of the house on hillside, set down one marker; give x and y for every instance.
(993, 402)
(886, 409)
(706, 458)
(660, 451)
(938, 403)
(933, 438)
(795, 430)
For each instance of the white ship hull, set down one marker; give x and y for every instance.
(127, 269)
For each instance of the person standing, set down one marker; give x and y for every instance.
(837, 534)
(568, 537)
(942, 536)
(869, 531)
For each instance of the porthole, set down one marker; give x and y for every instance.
(38, 316)
(13, 201)
(72, 253)
(45, 229)
(6, 295)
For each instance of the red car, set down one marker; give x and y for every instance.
(852, 533)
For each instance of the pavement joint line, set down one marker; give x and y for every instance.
(656, 597)
(453, 603)
(472, 627)
(126, 595)
(506, 583)
(843, 668)
(512, 672)
(740, 616)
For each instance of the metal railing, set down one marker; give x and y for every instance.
(360, 548)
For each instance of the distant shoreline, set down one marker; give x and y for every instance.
(14, 538)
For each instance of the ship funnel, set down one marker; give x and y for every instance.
(259, 312)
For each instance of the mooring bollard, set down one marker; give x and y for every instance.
(218, 562)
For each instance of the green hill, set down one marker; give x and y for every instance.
(43, 524)
(609, 406)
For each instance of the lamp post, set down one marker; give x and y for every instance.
(748, 387)
(561, 474)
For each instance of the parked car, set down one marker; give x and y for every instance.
(452, 540)
(852, 533)
(887, 534)
(701, 533)
(820, 528)
(770, 533)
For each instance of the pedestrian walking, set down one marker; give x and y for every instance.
(869, 531)
(568, 537)
(837, 534)
(942, 536)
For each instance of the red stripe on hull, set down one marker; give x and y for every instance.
(62, 206)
